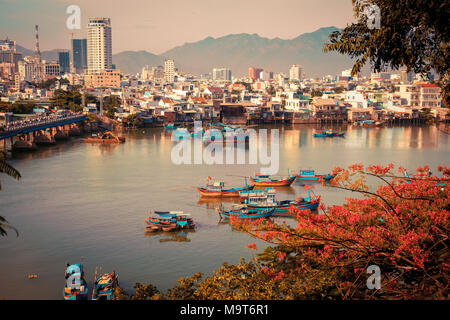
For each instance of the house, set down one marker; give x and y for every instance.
(213, 93)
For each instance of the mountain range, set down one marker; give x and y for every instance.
(238, 52)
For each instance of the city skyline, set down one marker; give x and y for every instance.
(190, 21)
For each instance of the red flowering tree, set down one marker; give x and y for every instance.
(402, 228)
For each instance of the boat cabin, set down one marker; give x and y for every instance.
(259, 196)
(307, 173)
(215, 186)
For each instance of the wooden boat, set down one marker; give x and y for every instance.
(105, 286)
(261, 200)
(171, 126)
(309, 175)
(169, 221)
(75, 287)
(106, 137)
(328, 133)
(217, 189)
(372, 124)
(245, 213)
(267, 181)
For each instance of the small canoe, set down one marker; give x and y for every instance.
(266, 181)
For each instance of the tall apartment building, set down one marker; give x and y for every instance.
(99, 44)
(9, 63)
(79, 55)
(254, 73)
(64, 61)
(295, 73)
(169, 71)
(221, 74)
(52, 68)
(31, 69)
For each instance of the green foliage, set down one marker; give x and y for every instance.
(19, 107)
(414, 34)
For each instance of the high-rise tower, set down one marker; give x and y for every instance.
(37, 52)
(99, 44)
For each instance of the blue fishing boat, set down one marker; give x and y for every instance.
(264, 199)
(171, 126)
(169, 221)
(328, 133)
(75, 287)
(310, 175)
(105, 286)
(242, 212)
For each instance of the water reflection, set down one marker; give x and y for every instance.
(175, 236)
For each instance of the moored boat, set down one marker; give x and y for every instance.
(242, 212)
(106, 137)
(267, 181)
(171, 126)
(169, 221)
(75, 287)
(328, 133)
(217, 189)
(310, 175)
(263, 199)
(105, 286)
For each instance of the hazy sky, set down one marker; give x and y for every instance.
(160, 25)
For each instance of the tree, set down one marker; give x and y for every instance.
(414, 34)
(9, 170)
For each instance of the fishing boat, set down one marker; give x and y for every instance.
(105, 286)
(217, 189)
(184, 133)
(261, 200)
(169, 221)
(171, 126)
(75, 287)
(242, 212)
(266, 181)
(106, 137)
(310, 175)
(328, 133)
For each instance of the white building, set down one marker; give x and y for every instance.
(295, 73)
(169, 71)
(99, 44)
(356, 99)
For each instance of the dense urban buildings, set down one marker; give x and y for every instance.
(99, 44)
(221, 74)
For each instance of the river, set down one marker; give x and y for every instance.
(78, 202)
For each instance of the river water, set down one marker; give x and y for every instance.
(78, 202)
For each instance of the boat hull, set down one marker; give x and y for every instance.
(277, 183)
(315, 177)
(284, 208)
(226, 193)
(256, 215)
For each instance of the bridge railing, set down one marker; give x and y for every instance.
(41, 122)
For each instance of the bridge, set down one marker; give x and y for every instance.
(42, 123)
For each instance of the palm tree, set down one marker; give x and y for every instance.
(8, 169)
